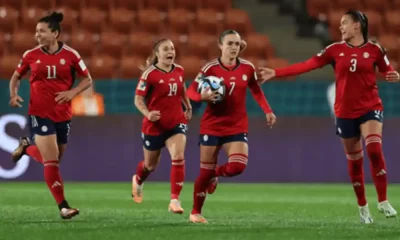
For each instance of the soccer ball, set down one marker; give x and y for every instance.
(212, 84)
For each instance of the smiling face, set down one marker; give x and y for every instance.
(348, 27)
(230, 46)
(166, 53)
(44, 35)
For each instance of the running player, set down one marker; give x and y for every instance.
(52, 67)
(225, 124)
(159, 97)
(358, 107)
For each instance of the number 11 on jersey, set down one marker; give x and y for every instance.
(51, 72)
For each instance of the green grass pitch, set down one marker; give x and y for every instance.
(235, 211)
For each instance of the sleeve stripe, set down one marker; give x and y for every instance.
(247, 62)
(72, 50)
(31, 50)
(146, 73)
(209, 64)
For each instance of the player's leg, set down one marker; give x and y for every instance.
(152, 146)
(349, 132)
(26, 148)
(371, 130)
(209, 149)
(236, 148)
(176, 146)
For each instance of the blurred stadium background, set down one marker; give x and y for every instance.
(114, 37)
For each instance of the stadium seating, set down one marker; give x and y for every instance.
(117, 35)
(383, 15)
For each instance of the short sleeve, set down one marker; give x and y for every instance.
(23, 65)
(79, 65)
(143, 84)
(382, 61)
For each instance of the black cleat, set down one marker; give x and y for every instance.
(20, 150)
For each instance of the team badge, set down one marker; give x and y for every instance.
(142, 85)
(366, 55)
(62, 61)
(322, 52)
(244, 77)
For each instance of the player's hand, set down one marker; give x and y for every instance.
(392, 76)
(271, 119)
(64, 97)
(188, 114)
(16, 101)
(154, 116)
(209, 96)
(266, 74)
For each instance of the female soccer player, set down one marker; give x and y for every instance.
(159, 97)
(358, 108)
(225, 124)
(51, 81)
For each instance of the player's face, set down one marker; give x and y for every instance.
(348, 27)
(44, 35)
(230, 46)
(166, 53)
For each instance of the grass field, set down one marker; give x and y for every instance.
(235, 211)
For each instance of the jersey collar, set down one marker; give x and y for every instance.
(352, 46)
(159, 69)
(229, 68)
(60, 46)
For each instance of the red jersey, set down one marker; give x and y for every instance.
(50, 74)
(355, 73)
(229, 117)
(163, 91)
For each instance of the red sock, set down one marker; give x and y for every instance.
(373, 144)
(53, 179)
(236, 164)
(141, 173)
(33, 152)
(207, 172)
(177, 177)
(356, 173)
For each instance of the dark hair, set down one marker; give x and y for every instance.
(152, 59)
(360, 17)
(243, 44)
(53, 20)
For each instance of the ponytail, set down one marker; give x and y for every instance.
(152, 59)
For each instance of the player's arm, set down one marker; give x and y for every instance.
(192, 90)
(185, 99)
(321, 59)
(385, 67)
(83, 72)
(140, 95)
(22, 69)
(258, 94)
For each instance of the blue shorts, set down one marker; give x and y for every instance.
(154, 143)
(210, 140)
(349, 128)
(43, 127)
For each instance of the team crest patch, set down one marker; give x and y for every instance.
(244, 77)
(366, 55)
(322, 52)
(142, 86)
(62, 61)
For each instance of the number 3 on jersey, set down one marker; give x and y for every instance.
(353, 66)
(51, 72)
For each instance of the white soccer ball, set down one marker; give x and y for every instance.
(212, 84)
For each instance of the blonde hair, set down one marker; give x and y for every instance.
(152, 59)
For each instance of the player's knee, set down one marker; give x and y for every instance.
(237, 164)
(177, 156)
(374, 147)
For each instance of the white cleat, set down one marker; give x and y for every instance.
(387, 209)
(137, 190)
(175, 207)
(365, 215)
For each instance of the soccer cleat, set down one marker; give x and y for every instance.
(197, 218)
(68, 213)
(212, 186)
(137, 190)
(20, 150)
(365, 215)
(175, 206)
(387, 209)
